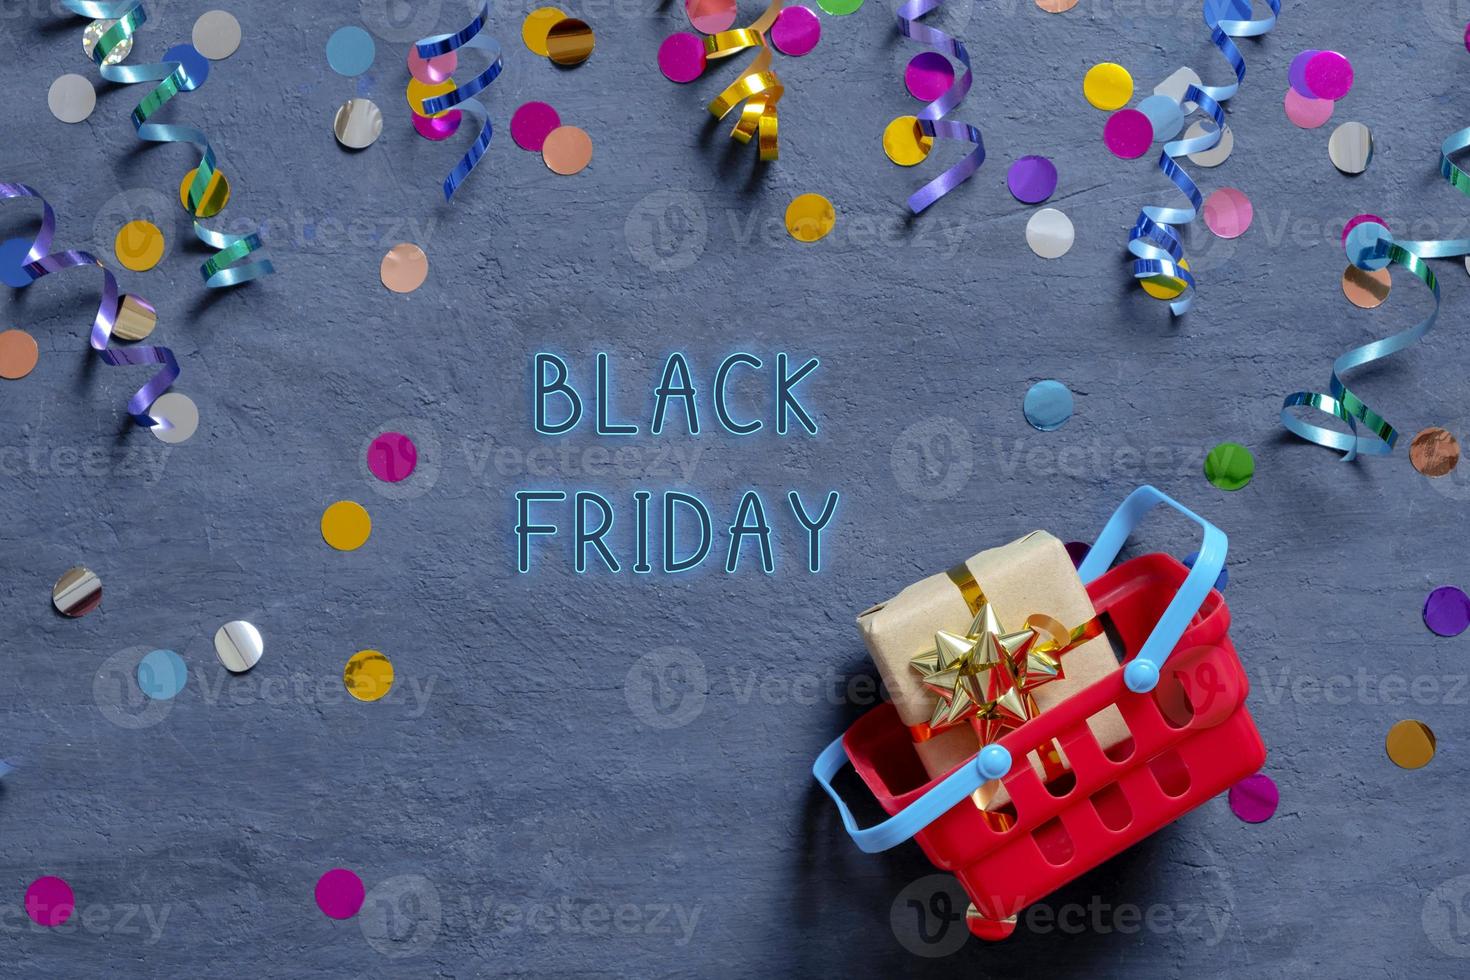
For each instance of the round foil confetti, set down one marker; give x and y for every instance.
(431, 71)
(905, 143)
(537, 25)
(182, 415)
(1434, 451)
(681, 57)
(840, 8)
(217, 35)
(77, 592)
(418, 92)
(94, 33)
(1177, 84)
(18, 354)
(350, 51)
(1447, 611)
(1254, 799)
(346, 525)
(49, 901)
(1307, 112)
(1128, 134)
(1361, 245)
(1164, 286)
(1056, 6)
(1216, 154)
(138, 245)
(216, 193)
(1366, 288)
(71, 98)
(1296, 73)
(1050, 233)
(810, 217)
(570, 41)
(1221, 580)
(1032, 179)
(1229, 466)
(13, 260)
(238, 645)
(437, 128)
(1410, 744)
(404, 268)
(1350, 147)
(358, 124)
(368, 675)
(392, 456)
(339, 894)
(532, 123)
(135, 319)
(1107, 86)
(928, 75)
(1048, 404)
(1328, 75)
(710, 16)
(1228, 212)
(567, 150)
(1164, 114)
(796, 31)
(162, 674)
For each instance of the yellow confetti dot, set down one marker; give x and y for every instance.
(138, 245)
(809, 218)
(1410, 744)
(346, 525)
(368, 675)
(905, 143)
(1108, 86)
(1165, 287)
(536, 27)
(216, 194)
(419, 91)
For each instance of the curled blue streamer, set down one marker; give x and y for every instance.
(1154, 240)
(440, 44)
(931, 118)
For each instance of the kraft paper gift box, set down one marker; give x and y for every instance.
(1033, 574)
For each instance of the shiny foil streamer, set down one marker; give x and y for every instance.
(40, 261)
(757, 86)
(1154, 240)
(464, 95)
(182, 70)
(931, 118)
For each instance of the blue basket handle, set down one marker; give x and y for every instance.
(1142, 672)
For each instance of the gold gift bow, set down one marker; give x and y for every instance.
(758, 87)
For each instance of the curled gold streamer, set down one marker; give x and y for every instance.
(757, 86)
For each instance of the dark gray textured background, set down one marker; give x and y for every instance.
(608, 775)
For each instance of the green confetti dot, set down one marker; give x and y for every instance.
(838, 8)
(1230, 466)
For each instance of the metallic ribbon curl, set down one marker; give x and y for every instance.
(758, 85)
(440, 44)
(173, 77)
(1340, 402)
(931, 118)
(1154, 242)
(41, 261)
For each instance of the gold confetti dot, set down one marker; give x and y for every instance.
(905, 143)
(216, 194)
(1107, 86)
(537, 26)
(810, 217)
(346, 525)
(1165, 287)
(138, 245)
(368, 675)
(419, 91)
(1410, 744)
(1434, 452)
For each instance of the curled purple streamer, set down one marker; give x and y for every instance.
(931, 118)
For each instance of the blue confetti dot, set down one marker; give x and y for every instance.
(192, 66)
(162, 675)
(1048, 404)
(1362, 245)
(350, 51)
(13, 261)
(1222, 580)
(1165, 114)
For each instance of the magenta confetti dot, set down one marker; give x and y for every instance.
(1254, 798)
(1296, 75)
(1032, 179)
(796, 31)
(392, 456)
(1329, 75)
(1228, 212)
(49, 901)
(1128, 134)
(1447, 611)
(531, 124)
(681, 57)
(1467, 37)
(1358, 220)
(437, 128)
(431, 71)
(1307, 112)
(928, 76)
(339, 893)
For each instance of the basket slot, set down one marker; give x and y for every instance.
(1170, 772)
(1059, 766)
(1146, 722)
(1054, 843)
(1026, 792)
(1112, 808)
(1087, 745)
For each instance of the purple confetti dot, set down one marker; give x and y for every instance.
(339, 893)
(1296, 75)
(928, 76)
(392, 457)
(1254, 798)
(1128, 134)
(1032, 179)
(1447, 611)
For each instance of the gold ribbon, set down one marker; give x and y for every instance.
(758, 87)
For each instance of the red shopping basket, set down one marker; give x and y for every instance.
(1191, 738)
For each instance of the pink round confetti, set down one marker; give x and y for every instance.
(437, 128)
(681, 57)
(532, 123)
(1467, 37)
(1307, 112)
(1254, 798)
(928, 76)
(1128, 134)
(796, 31)
(431, 71)
(1228, 212)
(392, 456)
(339, 893)
(1329, 75)
(1296, 75)
(1358, 220)
(710, 16)
(49, 901)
